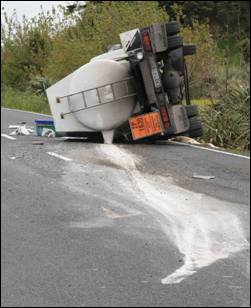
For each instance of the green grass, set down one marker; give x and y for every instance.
(201, 102)
(229, 48)
(15, 99)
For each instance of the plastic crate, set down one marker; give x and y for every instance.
(40, 124)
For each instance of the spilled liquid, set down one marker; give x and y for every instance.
(203, 228)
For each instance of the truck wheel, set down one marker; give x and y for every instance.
(196, 128)
(196, 133)
(192, 110)
(195, 123)
(189, 49)
(174, 42)
(172, 28)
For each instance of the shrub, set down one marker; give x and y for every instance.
(227, 120)
(203, 66)
(98, 27)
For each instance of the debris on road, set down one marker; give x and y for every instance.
(14, 126)
(47, 132)
(189, 140)
(14, 157)
(37, 142)
(21, 130)
(45, 128)
(203, 177)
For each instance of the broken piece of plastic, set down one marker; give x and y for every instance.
(14, 126)
(47, 132)
(203, 177)
(21, 130)
(37, 142)
(14, 157)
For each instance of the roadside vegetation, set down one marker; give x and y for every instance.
(38, 52)
(24, 100)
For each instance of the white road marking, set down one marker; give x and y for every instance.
(8, 137)
(59, 156)
(211, 150)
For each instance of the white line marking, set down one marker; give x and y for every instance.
(59, 156)
(42, 114)
(8, 137)
(212, 150)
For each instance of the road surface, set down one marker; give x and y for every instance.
(87, 224)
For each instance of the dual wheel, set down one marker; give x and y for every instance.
(175, 41)
(196, 129)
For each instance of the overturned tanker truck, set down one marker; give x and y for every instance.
(135, 91)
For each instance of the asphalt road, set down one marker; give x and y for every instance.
(121, 225)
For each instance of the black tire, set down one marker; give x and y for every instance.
(196, 128)
(172, 28)
(189, 49)
(192, 110)
(195, 123)
(196, 133)
(174, 42)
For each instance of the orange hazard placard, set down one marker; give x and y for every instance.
(145, 125)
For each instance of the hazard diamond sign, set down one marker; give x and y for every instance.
(145, 125)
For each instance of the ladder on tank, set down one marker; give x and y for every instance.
(93, 97)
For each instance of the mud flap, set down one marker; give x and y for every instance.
(179, 118)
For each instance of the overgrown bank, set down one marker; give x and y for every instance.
(16, 99)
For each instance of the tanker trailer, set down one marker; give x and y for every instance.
(132, 92)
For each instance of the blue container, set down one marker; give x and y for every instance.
(40, 124)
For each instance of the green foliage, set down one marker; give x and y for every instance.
(244, 46)
(39, 85)
(203, 66)
(114, 17)
(227, 121)
(229, 22)
(25, 49)
(98, 27)
(229, 16)
(16, 99)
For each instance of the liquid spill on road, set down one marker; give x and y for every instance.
(203, 228)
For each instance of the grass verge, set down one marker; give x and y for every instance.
(15, 99)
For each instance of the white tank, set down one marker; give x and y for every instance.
(105, 112)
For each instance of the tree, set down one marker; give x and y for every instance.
(98, 26)
(232, 16)
(25, 49)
